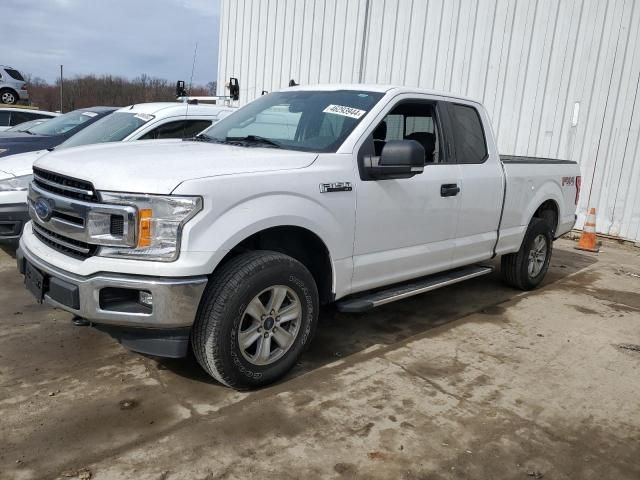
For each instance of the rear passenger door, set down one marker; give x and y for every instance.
(184, 128)
(481, 183)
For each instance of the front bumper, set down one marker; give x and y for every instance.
(12, 220)
(103, 298)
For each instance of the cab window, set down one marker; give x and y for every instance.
(20, 117)
(411, 121)
(177, 129)
(468, 134)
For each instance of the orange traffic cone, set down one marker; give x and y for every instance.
(588, 239)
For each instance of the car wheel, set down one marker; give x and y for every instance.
(8, 97)
(526, 268)
(257, 316)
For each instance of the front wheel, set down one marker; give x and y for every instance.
(8, 97)
(256, 317)
(526, 268)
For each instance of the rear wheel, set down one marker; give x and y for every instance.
(526, 268)
(8, 97)
(256, 317)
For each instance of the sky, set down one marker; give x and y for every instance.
(118, 37)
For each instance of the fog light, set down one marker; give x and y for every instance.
(146, 298)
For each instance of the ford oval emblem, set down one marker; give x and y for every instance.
(43, 209)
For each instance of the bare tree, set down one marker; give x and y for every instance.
(92, 90)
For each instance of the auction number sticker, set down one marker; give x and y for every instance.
(344, 111)
(145, 117)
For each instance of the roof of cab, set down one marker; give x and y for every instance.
(175, 108)
(97, 109)
(366, 87)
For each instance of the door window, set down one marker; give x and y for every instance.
(20, 117)
(177, 129)
(468, 134)
(411, 121)
(4, 119)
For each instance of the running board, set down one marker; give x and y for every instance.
(367, 301)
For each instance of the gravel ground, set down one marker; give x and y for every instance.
(474, 381)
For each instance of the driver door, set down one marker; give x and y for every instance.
(405, 228)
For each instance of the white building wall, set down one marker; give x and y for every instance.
(560, 78)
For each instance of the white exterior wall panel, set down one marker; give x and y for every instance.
(560, 78)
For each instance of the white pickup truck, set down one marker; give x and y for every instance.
(229, 243)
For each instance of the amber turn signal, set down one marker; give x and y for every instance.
(144, 227)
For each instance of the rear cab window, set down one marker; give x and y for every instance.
(468, 134)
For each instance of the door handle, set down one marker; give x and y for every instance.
(449, 190)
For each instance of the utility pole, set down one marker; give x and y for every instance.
(61, 90)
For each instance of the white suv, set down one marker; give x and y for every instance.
(13, 86)
(145, 121)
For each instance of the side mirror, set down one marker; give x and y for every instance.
(180, 90)
(399, 159)
(234, 88)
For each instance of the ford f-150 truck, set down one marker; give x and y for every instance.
(229, 243)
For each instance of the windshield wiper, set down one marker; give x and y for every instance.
(198, 138)
(27, 131)
(254, 139)
(201, 137)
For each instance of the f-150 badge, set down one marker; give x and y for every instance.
(335, 187)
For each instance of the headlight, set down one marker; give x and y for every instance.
(159, 225)
(15, 184)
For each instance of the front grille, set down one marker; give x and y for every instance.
(66, 245)
(65, 186)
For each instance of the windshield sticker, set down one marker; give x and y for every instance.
(90, 114)
(344, 111)
(145, 117)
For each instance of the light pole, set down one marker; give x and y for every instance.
(61, 89)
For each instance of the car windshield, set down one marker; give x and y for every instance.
(112, 128)
(26, 125)
(63, 123)
(307, 120)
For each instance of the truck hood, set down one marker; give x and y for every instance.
(160, 166)
(21, 163)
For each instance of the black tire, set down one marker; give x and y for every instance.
(515, 266)
(8, 97)
(222, 311)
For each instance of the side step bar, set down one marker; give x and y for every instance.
(367, 301)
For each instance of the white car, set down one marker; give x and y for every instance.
(12, 116)
(355, 194)
(144, 121)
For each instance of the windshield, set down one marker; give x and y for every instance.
(26, 125)
(312, 121)
(63, 123)
(112, 128)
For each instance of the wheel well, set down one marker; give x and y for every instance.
(548, 211)
(299, 243)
